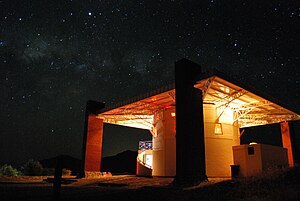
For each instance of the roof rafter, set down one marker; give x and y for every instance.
(249, 109)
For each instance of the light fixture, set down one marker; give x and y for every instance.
(218, 128)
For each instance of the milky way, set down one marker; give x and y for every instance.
(55, 55)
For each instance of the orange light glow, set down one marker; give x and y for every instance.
(154, 132)
(153, 99)
(218, 128)
(242, 132)
(286, 141)
(173, 114)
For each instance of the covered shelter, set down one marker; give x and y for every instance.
(194, 123)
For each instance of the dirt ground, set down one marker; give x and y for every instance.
(284, 185)
(123, 187)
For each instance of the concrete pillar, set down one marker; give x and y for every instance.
(93, 152)
(92, 139)
(287, 142)
(190, 150)
(294, 127)
(170, 142)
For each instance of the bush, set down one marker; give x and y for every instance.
(66, 172)
(8, 170)
(33, 168)
(48, 171)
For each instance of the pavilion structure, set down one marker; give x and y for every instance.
(194, 123)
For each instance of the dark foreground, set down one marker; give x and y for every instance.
(276, 185)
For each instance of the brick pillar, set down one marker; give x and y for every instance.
(92, 139)
(286, 141)
(190, 150)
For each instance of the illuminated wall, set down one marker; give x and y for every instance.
(144, 163)
(218, 145)
(164, 144)
(257, 158)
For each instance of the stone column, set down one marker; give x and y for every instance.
(190, 150)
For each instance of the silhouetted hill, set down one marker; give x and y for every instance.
(69, 163)
(124, 162)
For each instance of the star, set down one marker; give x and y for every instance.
(53, 59)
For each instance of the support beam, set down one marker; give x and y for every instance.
(206, 87)
(92, 139)
(287, 142)
(93, 151)
(190, 150)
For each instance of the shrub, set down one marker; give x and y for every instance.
(48, 171)
(66, 172)
(8, 170)
(33, 168)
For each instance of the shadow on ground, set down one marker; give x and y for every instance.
(276, 185)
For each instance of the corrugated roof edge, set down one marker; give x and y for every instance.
(140, 97)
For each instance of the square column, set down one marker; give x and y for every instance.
(190, 150)
(287, 142)
(92, 139)
(93, 152)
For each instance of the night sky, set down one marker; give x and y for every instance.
(57, 54)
